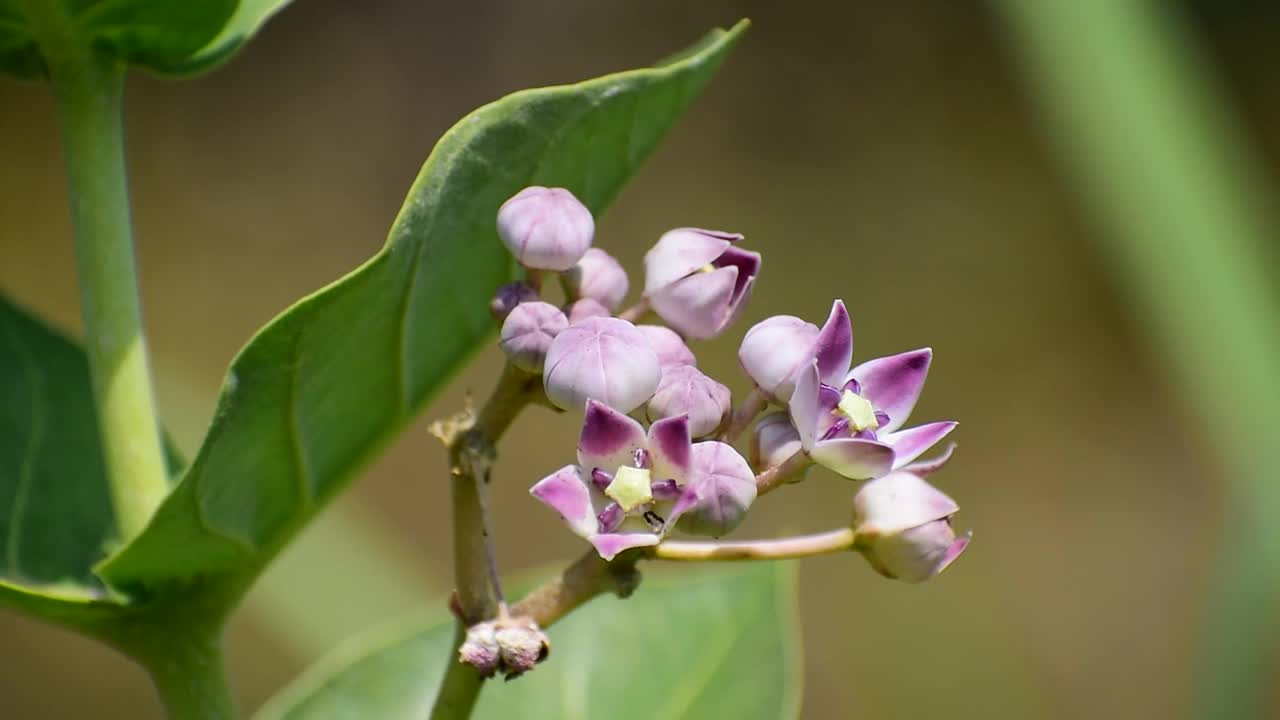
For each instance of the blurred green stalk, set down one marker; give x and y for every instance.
(1159, 160)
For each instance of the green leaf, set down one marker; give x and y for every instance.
(718, 645)
(55, 512)
(166, 36)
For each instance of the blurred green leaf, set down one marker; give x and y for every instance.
(55, 512)
(718, 645)
(322, 387)
(162, 35)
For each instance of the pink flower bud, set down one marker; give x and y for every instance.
(902, 525)
(669, 346)
(586, 308)
(528, 331)
(546, 228)
(698, 281)
(509, 296)
(720, 492)
(773, 441)
(684, 390)
(597, 276)
(774, 351)
(604, 359)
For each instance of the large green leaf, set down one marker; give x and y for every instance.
(328, 382)
(722, 645)
(167, 36)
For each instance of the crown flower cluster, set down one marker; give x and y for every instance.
(655, 456)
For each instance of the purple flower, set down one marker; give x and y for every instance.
(849, 420)
(528, 331)
(902, 525)
(625, 490)
(668, 345)
(546, 228)
(597, 276)
(684, 390)
(603, 359)
(698, 281)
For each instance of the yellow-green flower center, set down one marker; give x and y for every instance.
(631, 488)
(859, 411)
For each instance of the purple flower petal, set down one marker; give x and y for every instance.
(853, 458)
(925, 468)
(610, 544)
(725, 487)
(609, 439)
(682, 252)
(748, 264)
(564, 492)
(834, 347)
(599, 276)
(697, 306)
(804, 405)
(669, 449)
(611, 517)
(774, 350)
(898, 502)
(773, 440)
(909, 444)
(893, 383)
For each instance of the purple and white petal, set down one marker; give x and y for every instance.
(853, 458)
(925, 468)
(564, 492)
(748, 265)
(669, 449)
(774, 350)
(682, 252)
(528, 331)
(773, 441)
(911, 443)
(917, 554)
(610, 544)
(724, 486)
(697, 306)
(668, 345)
(598, 276)
(603, 359)
(897, 502)
(609, 439)
(580, 310)
(685, 390)
(833, 349)
(804, 405)
(546, 228)
(893, 383)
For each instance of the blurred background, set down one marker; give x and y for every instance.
(902, 156)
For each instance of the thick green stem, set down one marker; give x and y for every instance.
(192, 681)
(89, 92)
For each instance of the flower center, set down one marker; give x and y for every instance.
(858, 411)
(631, 487)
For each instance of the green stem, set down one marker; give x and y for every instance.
(89, 93)
(190, 676)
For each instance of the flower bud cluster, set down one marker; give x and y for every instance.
(630, 486)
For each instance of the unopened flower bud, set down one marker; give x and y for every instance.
(670, 348)
(523, 645)
(546, 228)
(528, 331)
(773, 441)
(698, 281)
(720, 492)
(586, 308)
(509, 296)
(597, 276)
(902, 525)
(604, 359)
(774, 351)
(684, 390)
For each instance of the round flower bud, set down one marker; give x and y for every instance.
(774, 351)
(480, 649)
(528, 331)
(698, 280)
(902, 525)
(669, 346)
(509, 296)
(586, 308)
(522, 645)
(546, 228)
(597, 276)
(604, 359)
(773, 441)
(684, 390)
(721, 489)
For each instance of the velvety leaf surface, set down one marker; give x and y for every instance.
(326, 383)
(700, 646)
(55, 510)
(167, 36)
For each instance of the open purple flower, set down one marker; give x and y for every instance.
(625, 490)
(849, 420)
(698, 281)
(902, 525)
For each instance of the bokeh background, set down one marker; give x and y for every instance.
(893, 154)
